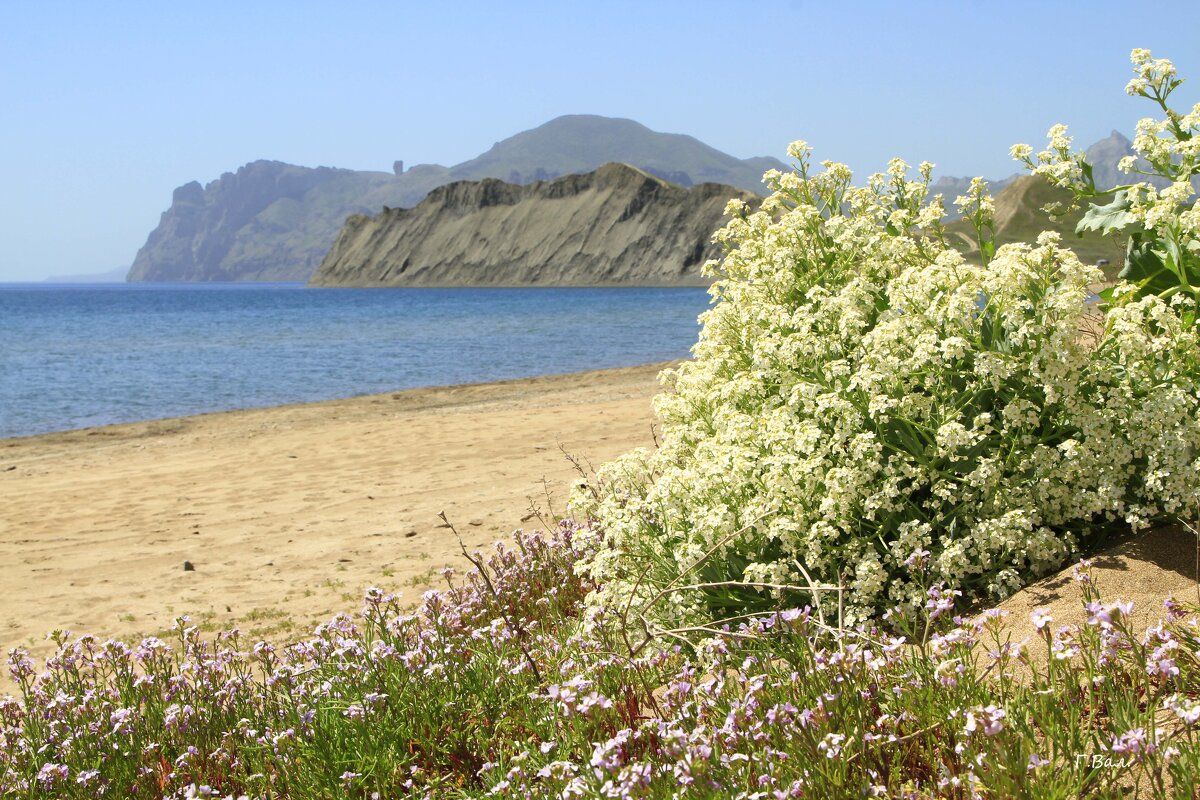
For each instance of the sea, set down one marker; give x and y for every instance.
(77, 355)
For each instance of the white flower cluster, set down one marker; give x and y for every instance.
(1167, 148)
(860, 393)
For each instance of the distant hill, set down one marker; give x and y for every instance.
(1103, 156)
(275, 221)
(584, 142)
(111, 276)
(615, 226)
(269, 221)
(272, 221)
(951, 188)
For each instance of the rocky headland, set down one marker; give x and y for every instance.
(616, 226)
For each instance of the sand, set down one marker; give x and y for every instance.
(1144, 570)
(287, 514)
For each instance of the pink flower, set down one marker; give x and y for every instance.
(51, 774)
(1162, 667)
(990, 718)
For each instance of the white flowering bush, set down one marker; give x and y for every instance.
(866, 408)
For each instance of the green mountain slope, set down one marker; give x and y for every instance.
(1020, 218)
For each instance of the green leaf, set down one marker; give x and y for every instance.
(988, 248)
(1144, 267)
(1107, 219)
(1088, 177)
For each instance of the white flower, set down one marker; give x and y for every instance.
(832, 422)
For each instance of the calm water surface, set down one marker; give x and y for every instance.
(77, 356)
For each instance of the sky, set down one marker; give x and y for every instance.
(105, 108)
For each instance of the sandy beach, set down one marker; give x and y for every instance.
(287, 514)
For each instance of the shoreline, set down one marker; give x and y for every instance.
(158, 425)
(288, 512)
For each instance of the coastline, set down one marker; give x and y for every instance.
(287, 513)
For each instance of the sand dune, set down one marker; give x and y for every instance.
(288, 513)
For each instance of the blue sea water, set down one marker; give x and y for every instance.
(74, 356)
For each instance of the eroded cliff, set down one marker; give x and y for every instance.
(617, 225)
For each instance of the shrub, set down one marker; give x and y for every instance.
(862, 400)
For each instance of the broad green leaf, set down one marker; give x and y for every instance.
(1107, 219)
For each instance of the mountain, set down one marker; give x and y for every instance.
(617, 225)
(1104, 155)
(584, 142)
(951, 188)
(1019, 216)
(275, 221)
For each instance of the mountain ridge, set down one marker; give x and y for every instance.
(275, 221)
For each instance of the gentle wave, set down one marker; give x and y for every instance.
(75, 356)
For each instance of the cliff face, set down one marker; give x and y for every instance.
(268, 221)
(617, 225)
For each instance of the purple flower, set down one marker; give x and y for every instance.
(1175, 610)
(1132, 741)
(1098, 615)
(51, 773)
(1163, 667)
(993, 719)
(918, 560)
(593, 701)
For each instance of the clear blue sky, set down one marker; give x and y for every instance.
(107, 107)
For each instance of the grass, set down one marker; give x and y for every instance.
(507, 686)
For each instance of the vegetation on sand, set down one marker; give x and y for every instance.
(873, 432)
